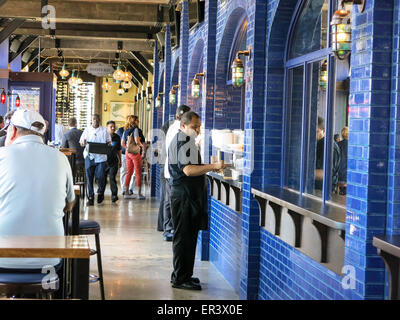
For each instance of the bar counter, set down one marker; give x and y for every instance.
(315, 228)
(228, 191)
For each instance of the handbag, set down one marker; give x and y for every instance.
(132, 146)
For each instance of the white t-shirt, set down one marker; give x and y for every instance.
(99, 135)
(171, 133)
(35, 184)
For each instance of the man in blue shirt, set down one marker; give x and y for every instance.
(188, 199)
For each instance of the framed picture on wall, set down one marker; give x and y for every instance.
(120, 110)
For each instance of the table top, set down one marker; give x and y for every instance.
(44, 247)
(69, 150)
(389, 244)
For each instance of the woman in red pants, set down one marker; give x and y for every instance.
(133, 161)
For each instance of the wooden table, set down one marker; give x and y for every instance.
(389, 249)
(68, 247)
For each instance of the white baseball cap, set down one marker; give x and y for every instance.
(25, 118)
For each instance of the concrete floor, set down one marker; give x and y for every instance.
(137, 263)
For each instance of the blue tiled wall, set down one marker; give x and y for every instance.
(256, 263)
(393, 208)
(226, 241)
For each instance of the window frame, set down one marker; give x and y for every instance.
(306, 61)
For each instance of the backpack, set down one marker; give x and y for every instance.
(132, 146)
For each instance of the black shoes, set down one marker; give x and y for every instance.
(100, 198)
(168, 237)
(194, 280)
(114, 198)
(90, 202)
(189, 285)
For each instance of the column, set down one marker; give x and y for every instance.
(254, 131)
(4, 73)
(167, 72)
(367, 169)
(184, 58)
(154, 176)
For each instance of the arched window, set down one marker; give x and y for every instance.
(316, 106)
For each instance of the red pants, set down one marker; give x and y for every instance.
(133, 161)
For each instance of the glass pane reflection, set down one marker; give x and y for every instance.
(293, 155)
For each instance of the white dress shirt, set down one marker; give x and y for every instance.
(59, 131)
(99, 135)
(171, 133)
(35, 183)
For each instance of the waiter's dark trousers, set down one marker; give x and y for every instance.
(168, 223)
(185, 237)
(160, 220)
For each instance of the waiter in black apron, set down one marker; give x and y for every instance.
(188, 199)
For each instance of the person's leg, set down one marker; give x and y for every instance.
(168, 225)
(137, 160)
(101, 179)
(89, 170)
(160, 220)
(113, 182)
(182, 246)
(129, 172)
(122, 172)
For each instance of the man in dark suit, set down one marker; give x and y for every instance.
(71, 140)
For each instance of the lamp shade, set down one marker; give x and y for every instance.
(172, 96)
(120, 90)
(118, 74)
(323, 78)
(127, 84)
(158, 102)
(3, 97)
(106, 85)
(73, 80)
(237, 73)
(195, 88)
(64, 72)
(341, 33)
(127, 76)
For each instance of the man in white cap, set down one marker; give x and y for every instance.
(36, 187)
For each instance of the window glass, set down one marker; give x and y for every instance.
(293, 152)
(341, 131)
(310, 31)
(316, 134)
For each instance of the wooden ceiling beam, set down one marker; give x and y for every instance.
(112, 13)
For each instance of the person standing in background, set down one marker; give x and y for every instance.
(163, 181)
(133, 161)
(172, 131)
(59, 131)
(95, 164)
(71, 139)
(113, 159)
(3, 132)
(122, 172)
